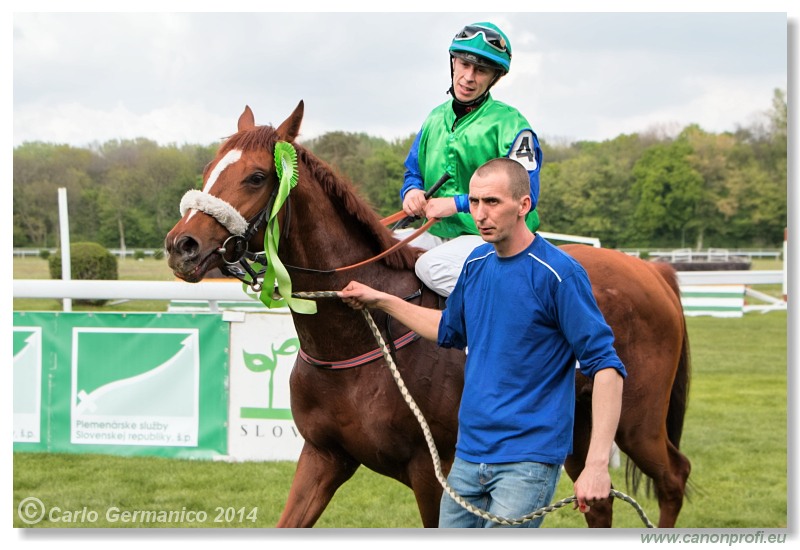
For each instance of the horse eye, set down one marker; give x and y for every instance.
(257, 178)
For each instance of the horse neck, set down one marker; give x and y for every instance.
(329, 227)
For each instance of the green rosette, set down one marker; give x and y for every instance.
(276, 273)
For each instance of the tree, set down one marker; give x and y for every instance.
(588, 192)
(667, 192)
(374, 165)
(711, 158)
(40, 169)
(118, 187)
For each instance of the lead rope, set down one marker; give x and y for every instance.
(437, 464)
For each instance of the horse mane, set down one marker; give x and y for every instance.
(335, 185)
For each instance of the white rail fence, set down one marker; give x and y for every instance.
(713, 254)
(212, 292)
(218, 293)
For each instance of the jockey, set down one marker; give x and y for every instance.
(456, 138)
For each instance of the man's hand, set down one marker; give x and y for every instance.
(440, 207)
(593, 485)
(414, 203)
(360, 296)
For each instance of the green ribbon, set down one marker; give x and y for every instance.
(286, 168)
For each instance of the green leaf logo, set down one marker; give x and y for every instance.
(259, 362)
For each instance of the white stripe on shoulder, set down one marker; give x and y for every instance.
(548, 266)
(490, 253)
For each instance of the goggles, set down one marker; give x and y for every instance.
(490, 37)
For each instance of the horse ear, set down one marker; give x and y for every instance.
(291, 126)
(246, 120)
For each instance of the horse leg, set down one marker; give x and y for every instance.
(320, 472)
(668, 469)
(672, 489)
(427, 490)
(645, 438)
(600, 514)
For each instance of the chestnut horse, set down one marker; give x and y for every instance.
(356, 416)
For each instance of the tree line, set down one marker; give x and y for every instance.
(649, 189)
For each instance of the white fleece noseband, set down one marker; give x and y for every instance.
(215, 207)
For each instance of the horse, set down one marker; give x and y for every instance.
(344, 401)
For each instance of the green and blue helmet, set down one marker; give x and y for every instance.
(483, 44)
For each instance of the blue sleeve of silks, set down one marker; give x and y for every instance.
(413, 175)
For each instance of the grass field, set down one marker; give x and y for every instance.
(735, 436)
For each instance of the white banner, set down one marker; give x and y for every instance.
(263, 350)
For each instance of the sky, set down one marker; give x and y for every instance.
(83, 78)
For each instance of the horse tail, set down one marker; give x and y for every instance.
(679, 395)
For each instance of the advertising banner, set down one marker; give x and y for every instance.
(148, 384)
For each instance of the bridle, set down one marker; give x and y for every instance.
(239, 260)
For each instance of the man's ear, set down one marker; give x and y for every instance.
(524, 206)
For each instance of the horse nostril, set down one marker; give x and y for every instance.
(187, 247)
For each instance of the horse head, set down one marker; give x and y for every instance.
(245, 196)
(222, 223)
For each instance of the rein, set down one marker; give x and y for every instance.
(400, 221)
(437, 463)
(373, 259)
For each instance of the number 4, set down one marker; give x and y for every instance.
(522, 150)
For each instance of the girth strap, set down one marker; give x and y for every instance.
(408, 338)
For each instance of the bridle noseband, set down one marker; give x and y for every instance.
(234, 250)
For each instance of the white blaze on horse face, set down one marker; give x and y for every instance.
(230, 158)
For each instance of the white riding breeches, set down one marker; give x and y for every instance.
(440, 266)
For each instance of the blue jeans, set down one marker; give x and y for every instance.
(508, 490)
